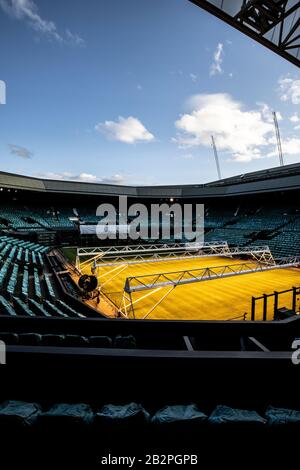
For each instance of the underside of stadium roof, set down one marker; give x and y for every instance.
(273, 23)
(274, 179)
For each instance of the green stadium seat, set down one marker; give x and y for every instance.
(6, 308)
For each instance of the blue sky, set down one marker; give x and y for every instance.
(131, 91)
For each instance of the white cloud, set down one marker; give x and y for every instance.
(114, 179)
(87, 177)
(289, 90)
(74, 39)
(83, 177)
(20, 151)
(242, 133)
(129, 130)
(28, 11)
(291, 146)
(193, 77)
(267, 113)
(294, 118)
(139, 87)
(216, 66)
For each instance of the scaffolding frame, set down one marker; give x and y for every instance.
(144, 253)
(174, 279)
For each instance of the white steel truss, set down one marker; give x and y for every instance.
(134, 254)
(139, 283)
(156, 282)
(259, 253)
(138, 253)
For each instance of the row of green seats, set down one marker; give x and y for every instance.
(3, 272)
(13, 280)
(7, 306)
(69, 309)
(38, 307)
(54, 309)
(25, 282)
(25, 308)
(37, 286)
(49, 286)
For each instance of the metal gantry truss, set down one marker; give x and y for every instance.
(258, 259)
(155, 282)
(131, 254)
(273, 23)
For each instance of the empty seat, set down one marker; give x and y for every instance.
(7, 308)
(16, 414)
(23, 307)
(38, 308)
(30, 339)
(25, 282)
(52, 340)
(224, 415)
(69, 310)
(282, 416)
(179, 423)
(66, 417)
(37, 285)
(125, 342)
(54, 310)
(100, 341)
(13, 279)
(49, 285)
(75, 341)
(119, 415)
(179, 414)
(9, 338)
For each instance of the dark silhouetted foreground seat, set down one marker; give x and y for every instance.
(100, 341)
(74, 432)
(123, 414)
(9, 338)
(113, 422)
(52, 340)
(67, 415)
(64, 431)
(75, 341)
(224, 415)
(18, 414)
(282, 417)
(30, 339)
(125, 342)
(179, 423)
(179, 414)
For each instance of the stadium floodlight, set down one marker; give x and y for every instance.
(273, 23)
